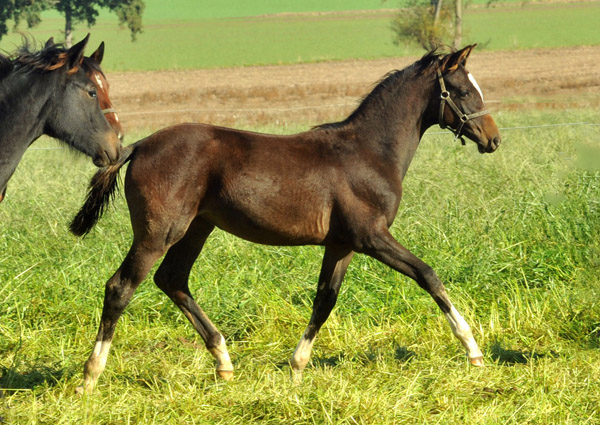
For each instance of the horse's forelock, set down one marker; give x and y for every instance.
(93, 65)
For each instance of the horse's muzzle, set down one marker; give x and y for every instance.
(491, 146)
(110, 154)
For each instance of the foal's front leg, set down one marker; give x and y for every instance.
(119, 289)
(333, 269)
(382, 246)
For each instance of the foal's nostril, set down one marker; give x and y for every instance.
(495, 142)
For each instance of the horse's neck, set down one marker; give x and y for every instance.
(23, 106)
(397, 123)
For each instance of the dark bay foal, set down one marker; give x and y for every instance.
(338, 185)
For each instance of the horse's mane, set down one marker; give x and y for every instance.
(6, 66)
(47, 59)
(423, 66)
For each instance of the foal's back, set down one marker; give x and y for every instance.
(282, 190)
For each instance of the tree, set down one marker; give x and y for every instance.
(129, 13)
(429, 23)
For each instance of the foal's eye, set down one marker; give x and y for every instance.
(92, 93)
(464, 93)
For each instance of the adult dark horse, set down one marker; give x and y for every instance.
(338, 185)
(48, 92)
(91, 66)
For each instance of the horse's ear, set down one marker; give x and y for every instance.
(49, 43)
(452, 61)
(75, 54)
(98, 54)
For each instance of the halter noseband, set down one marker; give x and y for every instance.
(445, 98)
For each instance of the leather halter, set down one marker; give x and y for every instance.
(445, 98)
(109, 111)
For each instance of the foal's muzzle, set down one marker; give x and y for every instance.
(491, 146)
(110, 152)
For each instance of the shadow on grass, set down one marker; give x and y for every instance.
(401, 354)
(37, 375)
(506, 356)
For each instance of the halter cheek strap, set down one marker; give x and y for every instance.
(445, 98)
(109, 111)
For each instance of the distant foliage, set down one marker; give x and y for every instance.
(414, 24)
(129, 13)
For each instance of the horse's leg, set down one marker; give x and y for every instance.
(119, 289)
(382, 246)
(333, 269)
(172, 277)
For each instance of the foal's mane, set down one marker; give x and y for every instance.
(424, 66)
(47, 59)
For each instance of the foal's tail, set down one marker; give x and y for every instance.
(101, 191)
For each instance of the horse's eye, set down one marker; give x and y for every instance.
(92, 93)
(464, 93)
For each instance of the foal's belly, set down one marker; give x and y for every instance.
(266, 224)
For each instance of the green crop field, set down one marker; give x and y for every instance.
(179, 35)
(513, 234)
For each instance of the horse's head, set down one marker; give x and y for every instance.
(91, 66)
(76, 116)
(461, 105)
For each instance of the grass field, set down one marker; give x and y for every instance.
(514, 235)
(181, 36)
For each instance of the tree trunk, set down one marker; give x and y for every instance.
(68, 28)
(457, 24)
(436, 12)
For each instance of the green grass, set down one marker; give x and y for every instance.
(206, 40)
(514, 235)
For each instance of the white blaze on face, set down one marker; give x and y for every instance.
(472, 80)
(99, 81)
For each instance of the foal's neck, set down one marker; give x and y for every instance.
(23, 112)
(394, 122)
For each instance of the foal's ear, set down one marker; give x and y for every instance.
(98, 54)
(49, 43)
(75, 54)
(452, 61)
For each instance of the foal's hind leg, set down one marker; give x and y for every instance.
(333, 269)
(382, 246)
(172, 277)
(119, 289)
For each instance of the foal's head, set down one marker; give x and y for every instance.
(461, 105)
(74, 113)
(91, 66)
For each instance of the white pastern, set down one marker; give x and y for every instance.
(462, 330)
(472, 80)
(221, 354)
(100, 354)
(301, 355)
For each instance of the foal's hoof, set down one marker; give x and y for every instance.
(226, 375)
(296, 376)
(477, 361)
(81, 390)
